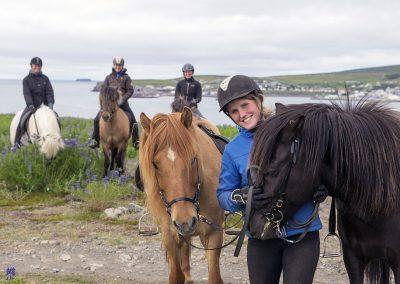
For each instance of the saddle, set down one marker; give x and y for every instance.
(23, 123)
(219, 140)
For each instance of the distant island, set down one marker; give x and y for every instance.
(83, 80)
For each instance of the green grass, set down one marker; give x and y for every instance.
(337, 79)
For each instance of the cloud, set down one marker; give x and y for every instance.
(79, 39)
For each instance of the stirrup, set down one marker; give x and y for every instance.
(232, 230)
(148, 228)
(330, 254)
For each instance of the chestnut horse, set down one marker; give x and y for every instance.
(179, 166)
(114, 129)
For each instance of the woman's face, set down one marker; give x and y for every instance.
(117, 68)
(244, 113)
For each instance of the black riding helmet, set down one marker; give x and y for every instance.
(188, 67)
(235, 87)
(36, 61)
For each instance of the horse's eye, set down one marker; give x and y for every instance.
(155, 165)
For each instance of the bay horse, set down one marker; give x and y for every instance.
(114, 129)
(354, 151)
(42, 129)
(179, 166)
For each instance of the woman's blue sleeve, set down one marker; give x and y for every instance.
(229, 180)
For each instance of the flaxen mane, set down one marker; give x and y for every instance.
(361, 140)
(165, 131)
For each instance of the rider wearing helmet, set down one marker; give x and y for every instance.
(189, 89)
(118, 79)
(241, 99)
(37, 90)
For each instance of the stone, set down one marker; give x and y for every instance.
(125, 257)
(65, 257)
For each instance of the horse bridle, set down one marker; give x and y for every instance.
(111, 114)
(194, 200)
(275, 216)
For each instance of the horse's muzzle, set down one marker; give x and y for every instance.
(106, 117)
(186, 228)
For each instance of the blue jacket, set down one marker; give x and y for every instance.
(234, 175)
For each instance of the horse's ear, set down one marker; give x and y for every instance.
(279, 107)
(186, 117)
(145, 122)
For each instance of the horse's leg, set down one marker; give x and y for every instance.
(106, 152)
(121, 158)
(185, 261)
(213, 240)
(175, 272)
(114, 153)
(354, 266)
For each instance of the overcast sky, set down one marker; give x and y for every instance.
(77, 38)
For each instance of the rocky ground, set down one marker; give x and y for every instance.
(46, 248)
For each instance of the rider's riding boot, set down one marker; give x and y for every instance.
(18, 136)
(135, 135)
(94, 140)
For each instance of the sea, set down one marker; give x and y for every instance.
(75, 99)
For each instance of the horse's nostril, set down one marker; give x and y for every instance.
(194, 222)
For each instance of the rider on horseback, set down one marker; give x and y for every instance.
(37, 90)
(118, 79)
(189, 89)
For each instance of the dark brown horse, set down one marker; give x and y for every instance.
(353, 150)
(114, 129)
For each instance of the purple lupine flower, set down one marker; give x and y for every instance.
(122, 180)
(106, 179)
(94, 177)
(88, 172)
(4, 151)
(13, 149)
(10, 273)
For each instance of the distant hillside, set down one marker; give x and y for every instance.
(334, 79)
(173, 82)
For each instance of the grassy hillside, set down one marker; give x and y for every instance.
(334, 79)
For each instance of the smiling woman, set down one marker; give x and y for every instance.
(241, 99)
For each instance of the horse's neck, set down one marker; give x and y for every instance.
(44, 121)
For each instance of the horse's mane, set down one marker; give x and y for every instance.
(362, 142)
(165, 131)
(109, 94)
(178, 104)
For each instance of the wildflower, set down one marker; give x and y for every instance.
(13, 149)
(115, 174)
(106, 179)
(94, 177)
(4, 151)
(88, 172)
(122, 180)
(10, 273)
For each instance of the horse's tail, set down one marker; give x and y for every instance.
(378, 272)
(51, 144)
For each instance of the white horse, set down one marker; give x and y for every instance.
(43, 130)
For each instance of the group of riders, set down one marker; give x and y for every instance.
(241, 99)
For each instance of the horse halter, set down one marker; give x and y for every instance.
(275, 216)
(194, 200)
(111, 114)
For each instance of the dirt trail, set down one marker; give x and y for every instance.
(109, 252)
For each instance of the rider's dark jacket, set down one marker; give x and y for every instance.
(234, 175)
(189, 89)
(37, 90)
(120, 80)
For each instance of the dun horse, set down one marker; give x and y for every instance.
(179, 166)
(114, 129)
(354, 151)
